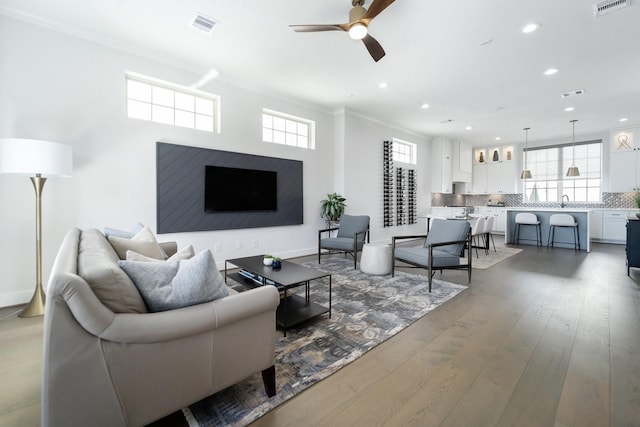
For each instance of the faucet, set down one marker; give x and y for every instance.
(562, 205)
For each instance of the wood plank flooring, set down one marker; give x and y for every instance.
(545, 338)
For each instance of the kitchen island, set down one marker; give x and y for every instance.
(563, 236)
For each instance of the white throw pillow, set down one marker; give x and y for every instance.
(184, 253)
(170, 285)
(144, 243)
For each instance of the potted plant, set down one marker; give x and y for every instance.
(267, 260)
(332, 208)
(277, 262)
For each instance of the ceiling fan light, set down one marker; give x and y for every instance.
(358, 31)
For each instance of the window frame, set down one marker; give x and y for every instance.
(159, 86)
(287, 132)
(589, 183)
(412, 149)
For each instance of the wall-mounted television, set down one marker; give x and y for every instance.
(240, 190)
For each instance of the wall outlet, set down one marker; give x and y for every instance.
(254, 243)
(238, 244)
(217, 247)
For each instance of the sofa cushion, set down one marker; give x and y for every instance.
(144, 243)
(170, 285)
(340, 243)
(420, 256)
(98, 265)
(184, 253)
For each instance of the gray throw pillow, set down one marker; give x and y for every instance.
(170, 285)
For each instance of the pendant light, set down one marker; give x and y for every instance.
(573, 169)
(526, 173)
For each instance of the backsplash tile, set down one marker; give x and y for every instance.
(609, 200)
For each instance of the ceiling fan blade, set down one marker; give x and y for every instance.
(313, 28)
(374, 48)
(374, 10)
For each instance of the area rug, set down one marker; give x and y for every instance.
(484, 261)
(366, 310)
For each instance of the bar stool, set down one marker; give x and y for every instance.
(477, 232)
(525, 218)
(563, 220)
(488, 227)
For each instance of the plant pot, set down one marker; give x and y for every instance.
(267, 261)
(276, 264)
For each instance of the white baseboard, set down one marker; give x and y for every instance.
(8, 299)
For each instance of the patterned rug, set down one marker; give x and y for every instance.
(366, 310)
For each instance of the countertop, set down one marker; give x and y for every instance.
(567, 209)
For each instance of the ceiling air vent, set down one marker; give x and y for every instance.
(203, 23)
(573, 93)
(607, 6)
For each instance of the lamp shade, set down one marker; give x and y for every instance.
(32, 156)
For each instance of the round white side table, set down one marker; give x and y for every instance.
(376, 259)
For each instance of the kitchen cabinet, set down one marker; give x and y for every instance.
(624, 163)
(494, 170)
(462, 162)
(441, 165)
(479, 183)
(614, 223)
(499, 215)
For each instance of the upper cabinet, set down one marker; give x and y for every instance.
(462, 161)
(494, 170)
(441, 165)
(623, 163)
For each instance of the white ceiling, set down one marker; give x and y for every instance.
(434, 55)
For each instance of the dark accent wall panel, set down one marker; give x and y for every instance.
(180, 177)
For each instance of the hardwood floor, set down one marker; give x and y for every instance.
(546, 338)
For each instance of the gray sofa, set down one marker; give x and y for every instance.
(104, 368)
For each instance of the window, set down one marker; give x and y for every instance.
(280, 128)
(549, 166)
(168, 103)
(405, 152)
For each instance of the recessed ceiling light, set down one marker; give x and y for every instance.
(569, 109)
(498, 138)
(424, 106)
(551, 71)
(469, 128)
(624, 119)
(530, 28)
(384, 85)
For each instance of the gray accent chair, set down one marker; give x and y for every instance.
(443, 247)
(351, 237)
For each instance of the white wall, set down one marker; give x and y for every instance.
(61, 88)
(363, 173)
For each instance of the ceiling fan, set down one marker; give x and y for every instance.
(359, 19)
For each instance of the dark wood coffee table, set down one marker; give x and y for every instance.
(293, 309)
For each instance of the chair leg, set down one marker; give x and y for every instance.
(552, 233)
(539, 237)
(493, 241)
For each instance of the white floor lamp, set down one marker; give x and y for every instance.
(42, 159)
